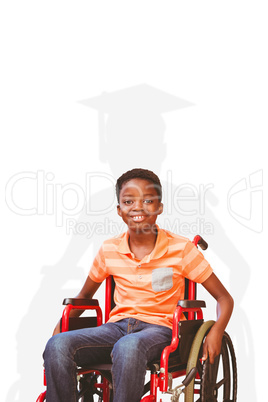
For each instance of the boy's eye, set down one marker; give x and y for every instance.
(146, 201)
(128, 202)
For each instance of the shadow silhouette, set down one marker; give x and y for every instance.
(131, 134)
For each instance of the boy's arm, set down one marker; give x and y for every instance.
(225, 303)
(87, 292)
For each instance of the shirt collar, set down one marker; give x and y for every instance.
(159, 250)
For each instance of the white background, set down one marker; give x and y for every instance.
(57, 53)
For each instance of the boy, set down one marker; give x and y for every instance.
(148, 265)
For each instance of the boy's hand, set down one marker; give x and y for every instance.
(212, 345)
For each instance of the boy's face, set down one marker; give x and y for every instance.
(139, 205)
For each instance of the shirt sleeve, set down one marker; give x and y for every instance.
(98, 271)
(194, 266)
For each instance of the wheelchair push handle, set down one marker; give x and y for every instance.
(199, 241)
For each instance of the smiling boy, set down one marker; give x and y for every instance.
(149, 265)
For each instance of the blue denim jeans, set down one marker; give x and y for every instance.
(130, 343)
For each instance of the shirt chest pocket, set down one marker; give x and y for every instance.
(162, 279)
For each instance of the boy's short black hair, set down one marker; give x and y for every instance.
(143, 174)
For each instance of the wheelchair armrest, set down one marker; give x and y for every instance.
(191, 303)
(80, 302)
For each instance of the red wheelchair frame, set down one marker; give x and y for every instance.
(160, 377)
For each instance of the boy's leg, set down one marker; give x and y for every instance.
(143, 343)
(65, 351)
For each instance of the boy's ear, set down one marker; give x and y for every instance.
(119, 210)
(161, 207)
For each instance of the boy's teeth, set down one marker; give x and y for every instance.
(136, 218)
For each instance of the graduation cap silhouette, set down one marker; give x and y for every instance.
(138, 104)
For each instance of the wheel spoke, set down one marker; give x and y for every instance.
(220, 383)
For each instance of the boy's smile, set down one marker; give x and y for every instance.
(138, 218)
(139, 205)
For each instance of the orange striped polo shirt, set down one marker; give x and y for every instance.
(149, 289)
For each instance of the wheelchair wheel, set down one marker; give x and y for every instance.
(214, 382)
(219, 380)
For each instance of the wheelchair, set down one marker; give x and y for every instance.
(203, 381)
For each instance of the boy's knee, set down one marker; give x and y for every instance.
(50, 348)
(57, 345)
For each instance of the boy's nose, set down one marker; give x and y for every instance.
(138, 204)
